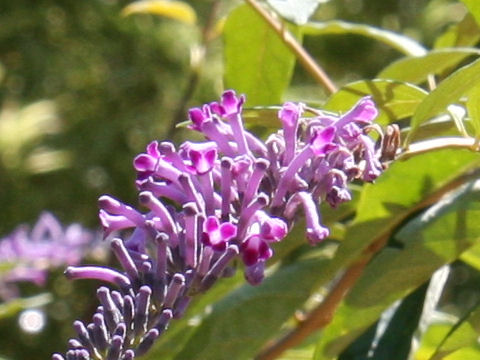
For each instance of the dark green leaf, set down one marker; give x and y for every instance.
(242, 322)
(257, 62)
(447, 92)
(399, 42)
(391, 336)
(415, 70)
(176, 338)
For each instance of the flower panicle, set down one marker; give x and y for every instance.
(208, 203)
(32, 253)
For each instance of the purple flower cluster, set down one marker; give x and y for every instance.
(28, 255)
(208, 203)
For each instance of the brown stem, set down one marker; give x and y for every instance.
(323, 314)
(302, 55)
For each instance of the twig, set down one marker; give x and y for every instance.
(438, 144)
(323, 314)
(302, 55)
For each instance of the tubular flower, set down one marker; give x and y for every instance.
(209, 203)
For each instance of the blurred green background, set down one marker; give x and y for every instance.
(83, 90)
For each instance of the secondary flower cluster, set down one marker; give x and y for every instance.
(208, 203)
(28, 255)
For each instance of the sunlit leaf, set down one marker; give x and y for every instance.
(402, 43)
(472, 256)
(458, 113)
(447, 92)
(436, 237)
(395, 100)
(463, 334)
(464, 33)
(474, 8)
(383, 206)
(178, 10)
(257, 62)
(433, 336)
(473, 107)
(416, 69)
(296, 11)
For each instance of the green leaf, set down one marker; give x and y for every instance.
(243, 321)
(399, 42)
(447, 92)
(430, 339)
(296, 11)
(465, 33)
(176, 338)
(463, 334)
(257, 62)
(473, 107)
(474, 8)
(436, 237)
(415, 70)
(391, 336)
(383, 206)
(465, 353)
(395, 100)
(472, 257)
(177, 10)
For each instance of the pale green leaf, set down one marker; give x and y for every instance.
(397, 41)
(474, 8)
(463, 334)
(447, 92)
(473, 107)
(464, 33)
(472, 256)
(257, 62)
(415, 70)
(395, 100)
(178, 10)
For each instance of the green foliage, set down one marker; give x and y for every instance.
(395, 100)
(256, 59)
(241, 322)
(83, 89)
(448, 91)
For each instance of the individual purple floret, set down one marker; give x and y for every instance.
(206, 204)
(30, 254)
